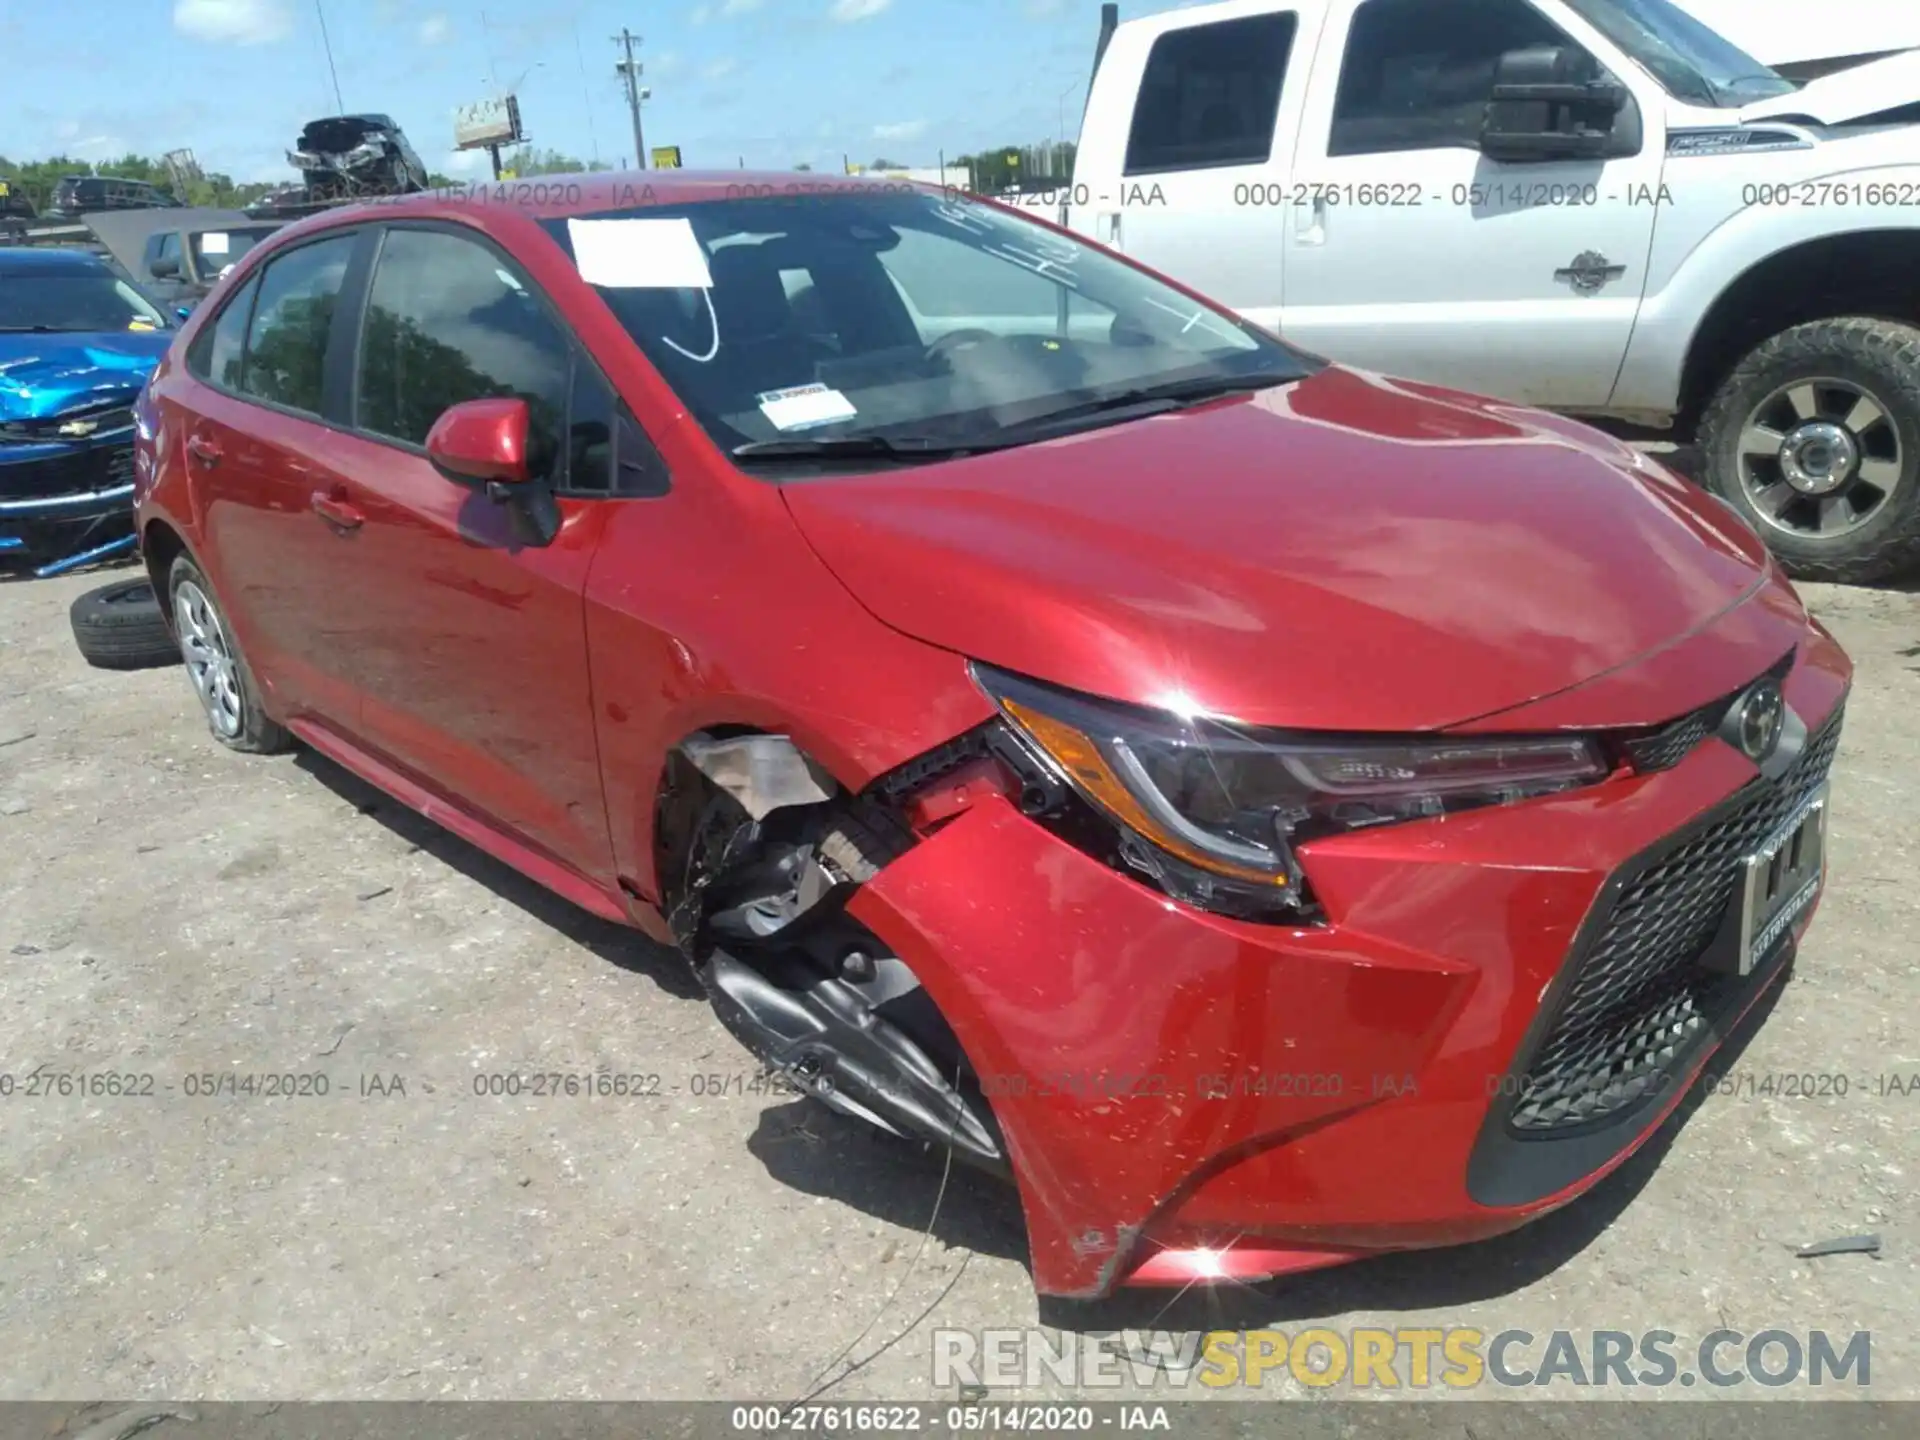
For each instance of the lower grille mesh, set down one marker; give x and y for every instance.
(1639, 999)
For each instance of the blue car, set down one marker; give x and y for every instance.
(77, 342)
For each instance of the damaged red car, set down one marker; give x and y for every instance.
(1271, 813)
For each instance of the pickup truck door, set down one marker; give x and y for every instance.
(1412, 253)
(1184, 148)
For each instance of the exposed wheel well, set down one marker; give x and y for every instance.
(1870, 273)
(160, 546)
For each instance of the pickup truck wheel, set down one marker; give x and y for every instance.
(1815, 438)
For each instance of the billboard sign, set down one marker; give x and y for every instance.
(487, 122)
(666, 157)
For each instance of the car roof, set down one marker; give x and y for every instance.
(23, 260)
(553, 197)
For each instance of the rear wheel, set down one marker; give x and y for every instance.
(1815, 439)
(229, 695)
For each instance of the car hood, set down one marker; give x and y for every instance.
(1345, 553)
(42, 376)
(1847, 95)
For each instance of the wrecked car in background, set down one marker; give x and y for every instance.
(77, 342)
(177, 255)
(346, 155)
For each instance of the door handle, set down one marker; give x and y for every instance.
(1310, 222)
(203, 450)
(336, 511)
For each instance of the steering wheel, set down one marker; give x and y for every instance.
(960, 340)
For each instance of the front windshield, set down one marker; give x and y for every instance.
(74, 301)
(879, 313)
(215, 250)
(1691, 60)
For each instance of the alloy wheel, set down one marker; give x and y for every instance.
(1819, 458)
(210, 659)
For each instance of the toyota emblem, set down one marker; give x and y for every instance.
(1759, 719)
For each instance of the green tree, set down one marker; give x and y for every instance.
(525, 160)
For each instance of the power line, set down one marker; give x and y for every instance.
(586, 92)
(326, 42)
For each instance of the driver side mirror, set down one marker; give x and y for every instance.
(1551, 102)
(486, 441)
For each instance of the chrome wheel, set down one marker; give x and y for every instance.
(210, 659)
(1820, 458)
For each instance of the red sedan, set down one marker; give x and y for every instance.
(1272, 813)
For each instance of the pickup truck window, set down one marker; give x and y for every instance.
(1210, 95)
(1689, 60)
(1418, 73)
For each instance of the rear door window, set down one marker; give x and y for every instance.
(1211, 94)
(218, 351)
(292, 320)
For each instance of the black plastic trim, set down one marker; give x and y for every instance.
(1509, 1167)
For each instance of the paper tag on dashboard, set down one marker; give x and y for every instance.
(215, 242)
(639, 254)
(800, 407)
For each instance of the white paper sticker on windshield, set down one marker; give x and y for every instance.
(215, 242)
(800, 407)
(639, 254)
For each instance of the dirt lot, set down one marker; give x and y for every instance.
(171, 910)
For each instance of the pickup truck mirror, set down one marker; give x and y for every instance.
(165, 267)
(1551, 102)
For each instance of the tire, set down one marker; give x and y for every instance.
(1880, 359)
(120, 627)
(234, 713)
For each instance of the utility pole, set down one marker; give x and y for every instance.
(630, 72)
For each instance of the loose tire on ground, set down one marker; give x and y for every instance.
(120, 627)
(1882, 359)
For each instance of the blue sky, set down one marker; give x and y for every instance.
(775, 81)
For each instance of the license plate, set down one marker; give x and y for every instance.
(1781, 878)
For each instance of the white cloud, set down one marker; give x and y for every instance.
(701, 14)
(847, 11)
(903, 130)
(233, 22)
(435, 29)
(740, 7)
(719, 69)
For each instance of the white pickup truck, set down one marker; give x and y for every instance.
(1598, 206)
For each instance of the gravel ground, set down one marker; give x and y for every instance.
(171, 910)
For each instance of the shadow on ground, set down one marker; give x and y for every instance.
(616, 944)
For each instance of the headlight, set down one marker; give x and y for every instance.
(1234, 802)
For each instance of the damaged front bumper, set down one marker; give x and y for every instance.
(65, 503)
(1187, 1098)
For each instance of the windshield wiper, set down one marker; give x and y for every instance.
(28, 330)
(1145, 400)
(898, 447)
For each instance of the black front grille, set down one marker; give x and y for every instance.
(101, 467)
(1639, 998)
(104, 420)
(1668, 746)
